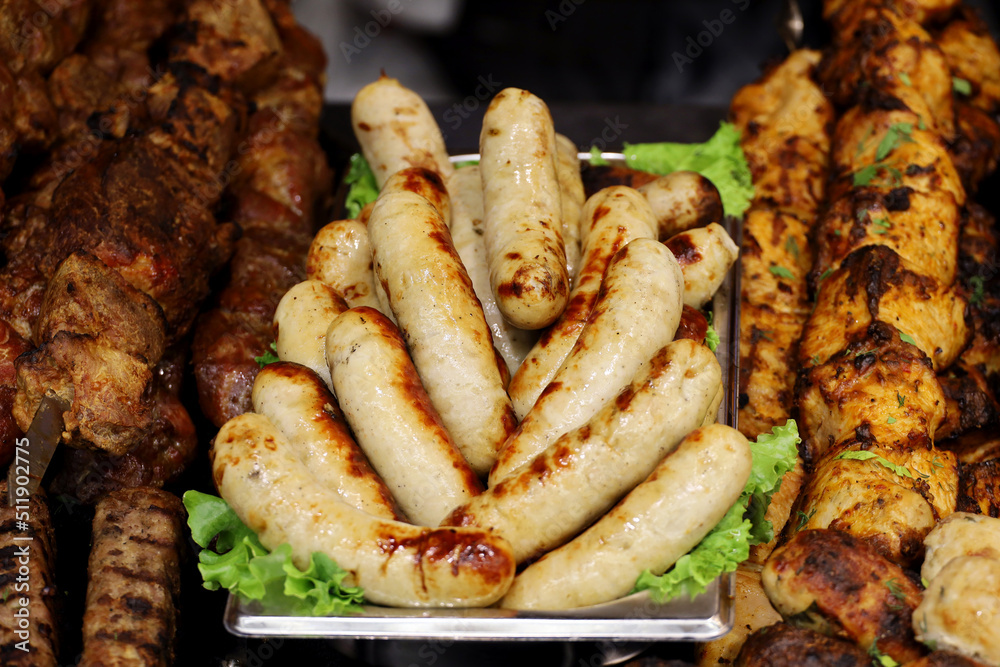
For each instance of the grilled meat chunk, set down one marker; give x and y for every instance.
(979, 487)
(784, 645)
(134, 570)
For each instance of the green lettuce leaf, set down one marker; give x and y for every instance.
(363, 190)
(728, 544)
(233, 558)
(720, 159)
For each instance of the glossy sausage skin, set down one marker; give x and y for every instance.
(301, 406)
(393, 419)
(521, 199)
(300, 323)
(609, 220)
(443, 323)
(424, 182)
(571, 200)
(583, 473)
(682, 200)
(396, 130)
(659, 521)
(636, 314)
(397, 564)
(341, 257)
(705, 255)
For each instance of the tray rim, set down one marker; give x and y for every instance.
(245, 619)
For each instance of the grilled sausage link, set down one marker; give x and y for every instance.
(135, 579)
(682, 200)
(341, 256)
(300, 323)
(586, 471)
(521, 200)
(571, 199)
(397, 564)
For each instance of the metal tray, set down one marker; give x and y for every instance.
(633, 618)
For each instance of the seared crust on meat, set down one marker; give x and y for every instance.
(784, 645)
(134, 569)
(979, 488)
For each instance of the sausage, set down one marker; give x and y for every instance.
(301, 406)
(300, 323)
(521, 200)
(466, 190)
(135, 579)
(444, 326)
(636, 313)
(682, 200)
(659, 521)
(38, 593)
(610, 219)
(571, 199)
(583, 473)
(396, 564)
(341, 257)
(393, 419)
(424, 182)
(705, 255)
(396, 130)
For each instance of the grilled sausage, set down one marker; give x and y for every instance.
(393, 419)
(583, 473)
(682, 200)
(396, 130)
(610, 219)
(571, 199)
(524, 240)
(300, 323)
(444, 326)
(705, 255)
(425, 182)
(636, 314)
(397, 564)
(659, 521)
(341, 257)
(466, 190)
(27, 568)
(135, 579)
(301, 406)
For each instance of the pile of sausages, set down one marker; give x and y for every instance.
(393, 415)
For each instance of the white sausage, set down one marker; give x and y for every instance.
(521, 200)
(341, 257)
(583, 473)
(465, 188)
(571, 198)
(682, 200)
(636, 314)
(705, 255)
(303, 409)
(659, 521)
(393, 419)
(300, 322)
(614, 216)
(443, 323)
(396, 130)
(424, 182)
(395, 563)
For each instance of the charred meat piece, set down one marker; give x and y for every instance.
(784, 645)
(11, 345)
(134, 579)
(979, 488)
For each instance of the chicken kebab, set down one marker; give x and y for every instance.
(889, 317)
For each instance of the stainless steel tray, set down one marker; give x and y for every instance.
(632, 618)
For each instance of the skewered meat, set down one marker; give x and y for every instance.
(134, 579)
(979, 487)
(27, 575)
(783, 645)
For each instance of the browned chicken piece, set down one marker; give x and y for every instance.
(872, 285)
(11, 345)
(976, 148)
(776, 258)
(597, 177)
(973, 55)
(36, 591)
(35, 119)
(752, 611)
(834, 583)
(91, 105)
(970, 405)
(839, 12)
(979, 487)
(123, 33)
(171, 445)
(784, 645)
(921, 228)
(785, 121)
(888, 61)
(274, 199)
(134, 579)
(8, 131)
(768, 345)
(945, 659)
(877, 381)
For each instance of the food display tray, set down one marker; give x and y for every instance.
(633, 618)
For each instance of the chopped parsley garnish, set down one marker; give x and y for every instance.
(901, 399)
(906, 338)
(961, 86)
(905, 78)
(781, 272)
(890, 420)
(880, 659)
(804, 518)
(269, 356)
(976, 298)
(882, 225)
(792, 246)
(826, 274)
(902, 471)
(896, 134)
